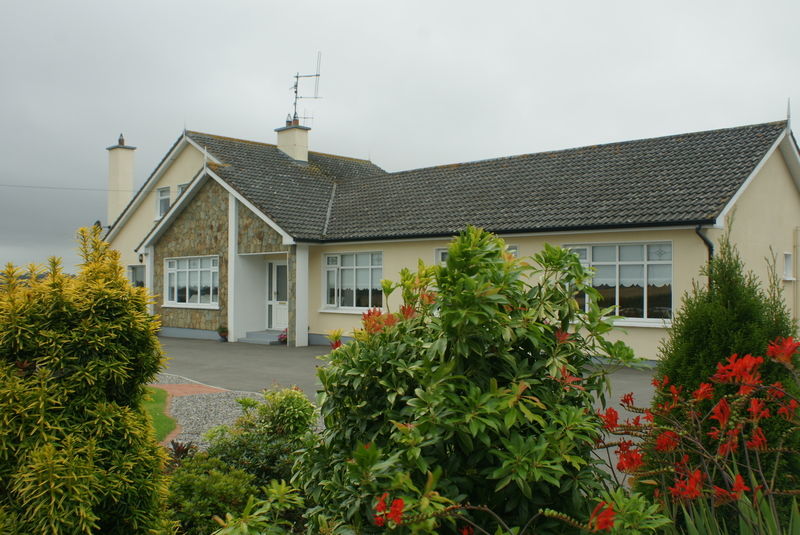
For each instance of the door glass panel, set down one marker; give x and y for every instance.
(280, 282)
(270, 297)
(631, 290)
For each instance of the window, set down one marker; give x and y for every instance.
(788, 267)
(636, 278)
(440, 254)
(162, 202)
(192, 282)
(353, 280)
(182, 188)
(136, 276)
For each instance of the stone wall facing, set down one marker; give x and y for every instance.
(200, 230)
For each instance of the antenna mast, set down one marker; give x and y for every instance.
(296, 87)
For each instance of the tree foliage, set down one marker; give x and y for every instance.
(481, 382)
(77, 453)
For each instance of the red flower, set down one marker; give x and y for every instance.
(788, 410)
(667, 441)
(373, 320)
(714, 433)
(562, 337)
(379, 521)
(569, 380)
(629, 460)
(389, 320)
(729, 446)
(706, 391)
(610, 418)
(738, 485)
(381, 505)
(783, 349)
(627, 399)
(660, 383)
(396, 511)
(721, 413)
(427, 298)
(742, 371)
(336, 344)
(757, 409)
(602, 518)
(775, 390)
(757, 440)
(466, 530)
(649, 416)
(689, 488)
(407, 311)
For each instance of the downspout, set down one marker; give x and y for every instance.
(709, 246)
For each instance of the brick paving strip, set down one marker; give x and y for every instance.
(181, 389)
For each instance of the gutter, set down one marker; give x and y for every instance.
(710, 246)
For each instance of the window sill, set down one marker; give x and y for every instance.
(191, 305)
(351, 311)
(641, 322)
(789, 279)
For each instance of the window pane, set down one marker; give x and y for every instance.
(631, 291)
(194, 263)
(377, 259)
(659, 291)
(214, 262)
(348, 259)
(163, 206)
(332, 260)
(171, 264)
(183, 263)
(659, 251)
(205, 263)
(205, 287)
(194, 293)
(181, 291)
(214, 287)
(377, 293)
(362, 287)
(347, 288)
(363, 259)
(513, 250)
(604, 253)
(171, 287)
(330, 287)
(581, 252)
(281, 282)
(605, 281)
(631, 253)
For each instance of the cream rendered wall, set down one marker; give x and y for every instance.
(181, 170)
(689, 254)
(767, 214)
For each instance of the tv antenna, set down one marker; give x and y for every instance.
(296, 87)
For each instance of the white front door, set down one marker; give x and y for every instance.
(277, 296)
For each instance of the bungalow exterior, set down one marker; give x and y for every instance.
(261, 237)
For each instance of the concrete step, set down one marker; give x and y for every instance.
(261, 337)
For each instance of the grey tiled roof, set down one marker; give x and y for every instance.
(293, 194)
(673, 180)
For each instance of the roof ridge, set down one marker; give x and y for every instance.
(583, 147)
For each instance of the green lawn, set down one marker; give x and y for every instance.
(155, 405)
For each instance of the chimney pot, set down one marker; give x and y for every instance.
(121, 140)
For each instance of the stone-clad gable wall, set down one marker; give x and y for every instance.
(201, 229)
(255, 236)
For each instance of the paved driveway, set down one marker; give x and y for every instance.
(240, 366)
(250, 367)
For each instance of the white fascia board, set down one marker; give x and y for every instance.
(791, 157)
(720, 222)
(156, 231)
(148, 186)
(510, 235)
(287, 239)
(203, 150)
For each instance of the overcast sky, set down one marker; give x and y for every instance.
(407, 84)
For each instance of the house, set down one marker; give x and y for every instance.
(261, 237)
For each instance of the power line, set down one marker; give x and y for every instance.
(27, 186)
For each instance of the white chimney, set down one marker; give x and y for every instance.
(120, 178)
(293, 139)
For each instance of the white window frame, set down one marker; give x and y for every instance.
(634, 322)
(332, 263)
(788, 267)
(181, 189)
(162, 194)
(169, 299)
(440, 253)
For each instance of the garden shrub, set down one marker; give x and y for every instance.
(481, 383)
(204, 486)
(77, 452)
(263, 440)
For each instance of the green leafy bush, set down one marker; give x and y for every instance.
(202, 487)
(77, 452)
(264, 517)
(263, 440)
(484, 375)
